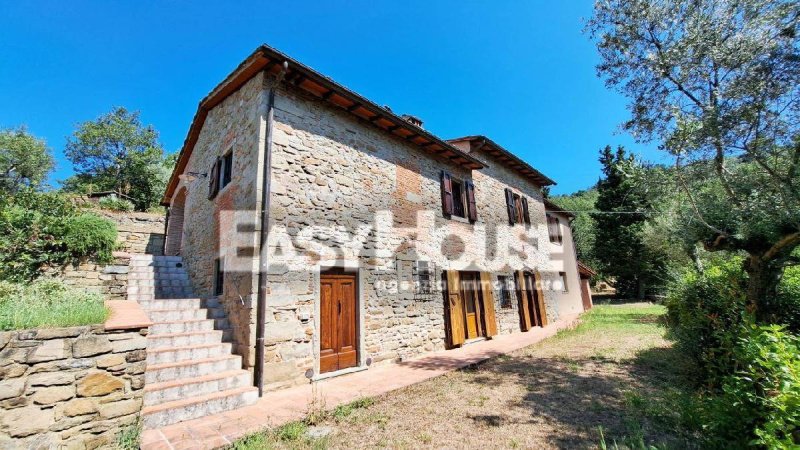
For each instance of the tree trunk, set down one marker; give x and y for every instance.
(762, 284)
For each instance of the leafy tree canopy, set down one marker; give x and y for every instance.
(116, 152)
(25, 160)
(717, 83)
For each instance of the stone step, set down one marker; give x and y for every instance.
(157, 283)
(184, 339)
(151, 275)
(192, 408)
(158, 295)
(159, 373)
(185, 326)
(175, 315)
(190, 352)
(169, 391)
(158, 270)
(180, 303)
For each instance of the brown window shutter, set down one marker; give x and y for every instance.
(525, 214)
(512, 212)
(213, 182)
(447, 194)
(523, 301)
(472, 210)
(488, 304)
(455, 309)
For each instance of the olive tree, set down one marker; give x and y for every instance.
(717, 84)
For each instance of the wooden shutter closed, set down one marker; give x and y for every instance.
(455, 309)
(522, 295)
(472, 210)
(213, 182)
(447, 194)
(488, 304)
(525, 214)
(512, 210)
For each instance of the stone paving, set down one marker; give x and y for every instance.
(276, 408)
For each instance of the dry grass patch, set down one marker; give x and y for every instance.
(606, 374)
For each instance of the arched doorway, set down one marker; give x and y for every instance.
(175, 224)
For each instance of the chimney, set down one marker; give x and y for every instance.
(413, 120)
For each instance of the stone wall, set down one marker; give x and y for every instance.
(109, 280)
(71, 387)
(138, 232)
(346, 193)
(235, 125)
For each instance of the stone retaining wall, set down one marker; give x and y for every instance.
(71, 387)
(137, 233)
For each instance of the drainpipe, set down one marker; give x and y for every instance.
(261, 302)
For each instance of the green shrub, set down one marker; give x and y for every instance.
(87, 234)
(116, 204)
(48, 303)
(705, 313)
(785, 309)
(46, 229)
(759, 403)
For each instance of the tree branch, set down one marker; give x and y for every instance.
(787, 242)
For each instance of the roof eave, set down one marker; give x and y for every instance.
(302, 77)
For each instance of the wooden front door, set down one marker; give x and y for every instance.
(469, 306)
(531, 300)
(337, 344)
(472, 304)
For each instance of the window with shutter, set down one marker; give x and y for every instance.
(512, 213)
(447, 194)
(518, 209)
(458, 198)
(472, 210)
(525, 214)
(554, 229)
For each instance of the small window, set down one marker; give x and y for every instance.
(564, 287)
(458, 198)
(424, 277)
(554, 229)
(505, 292)
(219, 276)
(227, 169)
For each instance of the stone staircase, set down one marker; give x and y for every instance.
(191, 371)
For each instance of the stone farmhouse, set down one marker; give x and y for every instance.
(380, 242)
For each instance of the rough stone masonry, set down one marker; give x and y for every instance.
(71, 388)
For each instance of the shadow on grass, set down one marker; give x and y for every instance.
(636, 401)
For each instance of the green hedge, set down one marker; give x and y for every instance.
(47, 229)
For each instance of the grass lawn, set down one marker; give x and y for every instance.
(614, 379)
(48, 304)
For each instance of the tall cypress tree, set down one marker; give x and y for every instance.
(621, 215)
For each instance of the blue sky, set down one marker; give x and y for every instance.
(520, 72)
